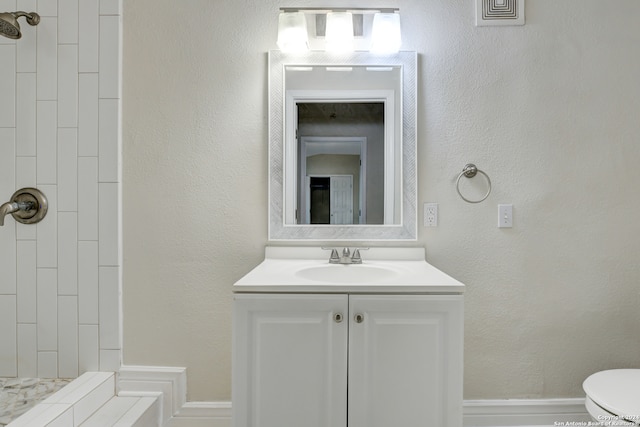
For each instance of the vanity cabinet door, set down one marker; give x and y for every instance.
(290, 360)
(405, 360)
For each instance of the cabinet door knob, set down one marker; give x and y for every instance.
(337, 317)
(359, 318)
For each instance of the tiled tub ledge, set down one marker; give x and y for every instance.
(19, 395)
(91, 400)
(76, 401)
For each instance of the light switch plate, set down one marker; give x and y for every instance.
(505, 216)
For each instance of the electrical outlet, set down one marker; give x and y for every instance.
(430, 214)
(505, 216)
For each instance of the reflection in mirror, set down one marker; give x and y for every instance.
(342, 158)
(341, 146)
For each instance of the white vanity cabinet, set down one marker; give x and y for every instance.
(405, 360)
(347, 359)
(289, 360)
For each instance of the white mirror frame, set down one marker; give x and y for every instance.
(278, 229)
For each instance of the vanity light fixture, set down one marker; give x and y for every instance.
(292, 32)
(376, 29)
(385, 33)
(339, 32)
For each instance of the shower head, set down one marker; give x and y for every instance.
(9, 26)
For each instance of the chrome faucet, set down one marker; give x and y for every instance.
(346, 257)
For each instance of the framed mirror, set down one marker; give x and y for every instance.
(342, 146)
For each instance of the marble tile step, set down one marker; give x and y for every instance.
(126, 412)
(19, 395)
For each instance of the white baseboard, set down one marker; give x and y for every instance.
(523, 412)
(477, 413)
(171, 385)
(202, 414)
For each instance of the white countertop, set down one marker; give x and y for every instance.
(383, 270)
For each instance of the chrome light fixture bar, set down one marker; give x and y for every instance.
(337, 27)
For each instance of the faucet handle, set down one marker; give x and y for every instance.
(27, 205)
(356, 258)
(334, 258)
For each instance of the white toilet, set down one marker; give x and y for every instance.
(613, 397)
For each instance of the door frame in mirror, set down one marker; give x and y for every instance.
(391, 178)
(406, 229)
(353, 145)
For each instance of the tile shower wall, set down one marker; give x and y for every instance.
(60, 132)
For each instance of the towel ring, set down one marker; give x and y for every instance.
(470, 170)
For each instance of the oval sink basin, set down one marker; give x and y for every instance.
(335, 273)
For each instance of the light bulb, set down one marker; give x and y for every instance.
(385, 33)
(339, 32)
(292, 32)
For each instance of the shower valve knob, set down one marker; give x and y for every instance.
(33, 205)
